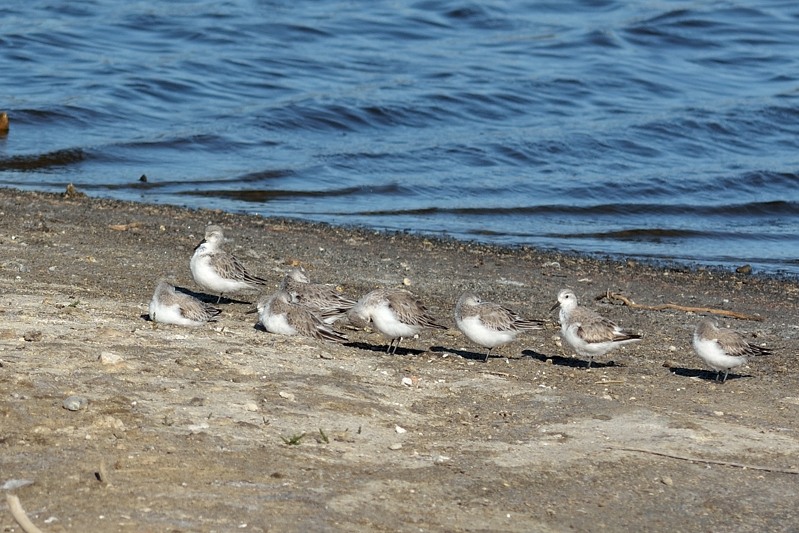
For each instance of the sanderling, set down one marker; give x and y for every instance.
(324, 300)
(280, 314)
(217, 271)
(723, 349)
(171, 307)
(396, 313)
(589, 333)
(489, 324)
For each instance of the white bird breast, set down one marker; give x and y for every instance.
(474, 329)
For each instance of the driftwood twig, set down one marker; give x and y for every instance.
(125, 227)
(494, 373)
(19, 515)
(709, 461)
(688, 309)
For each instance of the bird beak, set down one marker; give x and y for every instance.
(557, 304)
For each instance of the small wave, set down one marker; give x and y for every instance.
(761, 180)
(263, 195)
(432, 108)
(658, 235)
(58, 158)
(773, 208)
(200, 141)
(336, 117)
(638, 234)
(686, 28)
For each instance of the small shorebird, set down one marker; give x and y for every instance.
(324, 300)
(489, 324)
(396, 313)
(216, 270)
(723, 349)
(588, 332)
(171, 307)
(280, 314)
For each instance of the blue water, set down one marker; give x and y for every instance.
(665, 130)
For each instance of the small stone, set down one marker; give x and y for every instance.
(287, 395)
(110, 333)
(110, 358)
(326, 355)
(32, 336)
(744, 269)
(406, 282)
(251, 406)
(75, 403)
(407, 382)
(395, 446)
(666, 480)
(718, 413)
(400, 430)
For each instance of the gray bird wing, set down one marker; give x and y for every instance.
(231, 268)
(410, 310)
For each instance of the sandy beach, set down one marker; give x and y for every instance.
(228, 428)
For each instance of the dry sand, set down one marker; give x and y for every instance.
(199, 429)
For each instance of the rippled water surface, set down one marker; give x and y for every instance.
(659, 129)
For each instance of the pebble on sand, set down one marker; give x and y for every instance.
(75, 403)
(110, 358)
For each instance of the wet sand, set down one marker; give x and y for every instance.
(226, 427)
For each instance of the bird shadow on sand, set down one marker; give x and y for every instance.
(707, 375)
(571, 362)
(475, 356)
(472, 356)
(383, 348)
(210, 298)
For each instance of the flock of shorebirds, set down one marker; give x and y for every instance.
(300, 307)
